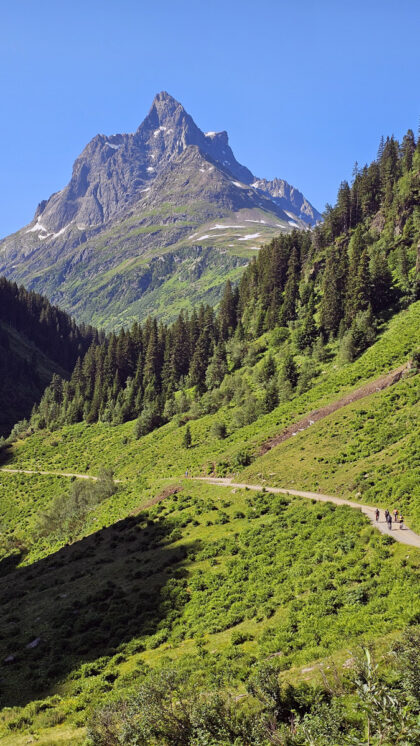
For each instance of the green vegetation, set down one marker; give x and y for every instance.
(209, 580)
(156, 610)
(160, 454)
(367, 451)
(167, 708)
(337, 284)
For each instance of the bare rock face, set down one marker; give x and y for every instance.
(111, 172)
(289, 198)
(134, 197)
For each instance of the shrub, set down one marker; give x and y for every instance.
(219, 430)
(242, 458)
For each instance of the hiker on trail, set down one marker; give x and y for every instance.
(401, 521)
(389, 519)
(186, 472)
(395, 515)
(386, 515)
(377, 514)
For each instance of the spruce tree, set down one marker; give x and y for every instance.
(289, 370)
(288, 312)
(227, 312)
(309, 332)
(187, 440)
(331, 309)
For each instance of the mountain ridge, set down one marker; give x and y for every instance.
(173, 183)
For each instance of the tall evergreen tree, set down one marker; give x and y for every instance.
(291, 292)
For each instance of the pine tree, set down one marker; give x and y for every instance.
(187, 440)
(153, 361)
(217, 367)
(289, 370)
(271, 397)
(408, 148)
(197, 373)
(382, 292)
(309, 332)
(380, 149)
(227, 312)
(358, 292)
(288, 312)
(331, 309)
(344, 206)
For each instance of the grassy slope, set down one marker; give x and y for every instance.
(109, 294)
(368, 450)
(253, 566)
(242, 575)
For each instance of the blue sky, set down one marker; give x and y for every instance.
(303, 89)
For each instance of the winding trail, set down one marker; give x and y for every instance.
(403, 536)
(52, 473)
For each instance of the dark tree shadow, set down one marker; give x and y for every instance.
(84, 602)
(6, 456)
(9, 563)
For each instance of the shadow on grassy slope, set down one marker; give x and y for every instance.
(84, 601)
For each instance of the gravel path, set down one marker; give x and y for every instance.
(404, 536)
(51, 473)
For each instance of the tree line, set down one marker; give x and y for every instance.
(333, 281)
(49, 328)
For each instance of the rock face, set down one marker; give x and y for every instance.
(288, 198)
(155, 192)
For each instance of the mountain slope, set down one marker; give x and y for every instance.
(37, 341)
(96, 247)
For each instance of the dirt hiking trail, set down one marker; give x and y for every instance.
(404, 536)
(51, 473)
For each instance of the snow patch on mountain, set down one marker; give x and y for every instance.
(218, 226)
(249, 236)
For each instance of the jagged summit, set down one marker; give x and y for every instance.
(164, 188)
(165, 105)
(113, 172)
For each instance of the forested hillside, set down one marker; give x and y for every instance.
(37, 340)
(336, 282)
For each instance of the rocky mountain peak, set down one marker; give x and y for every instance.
(135, 200)
(165, 105)
(115, 173)
(164, 110)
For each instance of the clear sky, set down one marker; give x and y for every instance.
(303, 88)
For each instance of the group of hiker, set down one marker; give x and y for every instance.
(398, 517)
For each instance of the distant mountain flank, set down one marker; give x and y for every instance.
(37, 340)
(149, 220)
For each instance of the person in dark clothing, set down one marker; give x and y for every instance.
(389, 519)
(401, 521)
(377, 514)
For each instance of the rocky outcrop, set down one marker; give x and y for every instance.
(289, 198)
